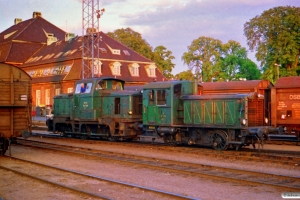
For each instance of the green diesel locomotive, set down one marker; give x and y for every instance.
(174, 111)
(99, 107)
(177, 113)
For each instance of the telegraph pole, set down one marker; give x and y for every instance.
(90, 38)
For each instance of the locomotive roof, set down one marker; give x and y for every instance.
(162, 84)
(88, 80)
(288, 82)
(223, 96)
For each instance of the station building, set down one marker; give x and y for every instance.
(53, 58)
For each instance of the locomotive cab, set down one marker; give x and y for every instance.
(163, 107)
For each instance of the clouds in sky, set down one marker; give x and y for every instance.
(171, 23)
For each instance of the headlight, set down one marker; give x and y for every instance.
(266, 120)
(130, 112)
(243, 122)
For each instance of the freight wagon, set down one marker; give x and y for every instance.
(286, 106)
(15, 105)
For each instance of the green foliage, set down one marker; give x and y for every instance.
(275, 36)
(161, 56)
(185, 75)
(235, 64)
(202, 58)
(248, 69)
(212, 60)
(163, 59)
(133, 40)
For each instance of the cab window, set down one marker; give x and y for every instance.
(161, 97)
(101, 85)
(117, 85)
(151, 97)
(83, 88)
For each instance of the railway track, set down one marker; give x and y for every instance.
(290, 158)
(285, 183)
(54, 174)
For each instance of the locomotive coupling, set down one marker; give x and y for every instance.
(260, 131)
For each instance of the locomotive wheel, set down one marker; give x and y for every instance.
(168, 139)
(219, 140)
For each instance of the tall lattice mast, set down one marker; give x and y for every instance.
(90, 38)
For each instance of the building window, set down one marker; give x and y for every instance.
(59, 54)
(151, 70)
(47, 96)
(57, 91)
(134, 69)
(38, 97)
(103, 50)
(70, 90)
(97, 66)
(116, 68)
(126, 52)
(114, 51)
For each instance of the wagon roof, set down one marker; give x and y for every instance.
(222, 96)
(237, 85)
(288, 82)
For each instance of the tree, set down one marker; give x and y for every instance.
(202, 58)
(185, 75)
(275, 36)
(235, 64)
(231, 59)
(161, 56)
(133, 40)
(163, 60)
(248, 70)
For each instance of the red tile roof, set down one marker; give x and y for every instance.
(22, 40)
(25, 44)
(32, 30)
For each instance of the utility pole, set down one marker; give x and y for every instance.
(90, 38)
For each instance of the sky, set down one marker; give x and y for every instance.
(171, 23)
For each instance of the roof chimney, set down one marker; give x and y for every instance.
(18, 20)
(36, 14)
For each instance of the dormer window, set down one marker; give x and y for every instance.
(116, 68)
(114, 51)
(151, 70)
(97, 66)
(134, 69)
